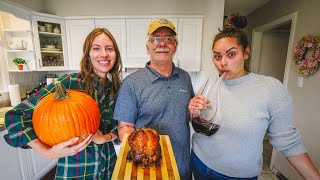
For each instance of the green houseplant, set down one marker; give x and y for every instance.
(19, 62)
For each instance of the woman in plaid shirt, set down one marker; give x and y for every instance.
(100, 77)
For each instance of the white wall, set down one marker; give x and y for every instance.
(306, 100)
(35, 5)
(213, 19)
(123, 7)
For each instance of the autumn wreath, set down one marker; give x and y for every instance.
(307, 64)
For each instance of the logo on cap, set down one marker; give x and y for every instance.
(163, 21)
(158, 23)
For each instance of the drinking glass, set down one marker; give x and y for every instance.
(208, 120)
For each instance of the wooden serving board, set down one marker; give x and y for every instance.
(165, 169)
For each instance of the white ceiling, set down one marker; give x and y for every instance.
(244, 7)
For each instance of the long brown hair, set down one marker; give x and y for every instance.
(233, 28)
(87, 70)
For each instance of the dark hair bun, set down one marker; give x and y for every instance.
(237, 20)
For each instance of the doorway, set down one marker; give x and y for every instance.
(271, 49)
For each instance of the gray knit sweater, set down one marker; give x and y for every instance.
(250, 106)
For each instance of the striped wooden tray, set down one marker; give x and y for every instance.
(166, 169)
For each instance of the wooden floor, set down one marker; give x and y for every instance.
(49, 175)
(266, 173)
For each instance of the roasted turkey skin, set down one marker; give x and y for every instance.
(145, 146)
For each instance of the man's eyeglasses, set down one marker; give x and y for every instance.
(167, 39)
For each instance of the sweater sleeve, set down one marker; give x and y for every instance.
(18, 121)
(283, 135)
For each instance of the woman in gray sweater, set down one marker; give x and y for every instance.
(251, 105)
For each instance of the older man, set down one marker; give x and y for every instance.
(157, 96)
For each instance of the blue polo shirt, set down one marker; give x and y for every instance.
(148, 99)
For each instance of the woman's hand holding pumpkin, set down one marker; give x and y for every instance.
(66, 149)
(62, 149)
(197, 103)
(99, 138)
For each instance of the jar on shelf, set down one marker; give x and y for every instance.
(56, 30)
(42, 28)
(48, 27)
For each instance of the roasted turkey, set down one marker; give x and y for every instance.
(145, 146)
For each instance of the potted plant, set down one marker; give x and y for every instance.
(19, 62)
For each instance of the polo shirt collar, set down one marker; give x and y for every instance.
(154, 75)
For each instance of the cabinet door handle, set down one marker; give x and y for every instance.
(40, 64)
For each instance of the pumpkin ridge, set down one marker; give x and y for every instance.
(47, 124)
(86, 117)
(41, 124)
(56, 121)
(46, 108)
(66, 135)
(72, 124)
(90, 125)
(79, 115)
(84, 130)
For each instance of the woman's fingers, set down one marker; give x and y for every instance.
(81, 146)
(68, 149)
(198, 102)
(66, 143)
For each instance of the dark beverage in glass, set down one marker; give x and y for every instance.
(204, 127)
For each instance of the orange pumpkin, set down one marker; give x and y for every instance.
(63, 115)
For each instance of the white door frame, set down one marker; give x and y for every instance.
(256, 46)
(257, 35)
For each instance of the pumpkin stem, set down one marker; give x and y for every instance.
(61, 92)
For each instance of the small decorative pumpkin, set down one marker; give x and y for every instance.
(65, 114)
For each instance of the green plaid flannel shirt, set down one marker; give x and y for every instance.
(94, 162)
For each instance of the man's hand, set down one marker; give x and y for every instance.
(124, 128)
(99, 138)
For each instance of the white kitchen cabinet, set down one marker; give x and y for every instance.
(10, 166)
(50, 43)
(38, 166)
(190, 41)
(77, 31)
(25, 164)
(137, 30)
(19, 44)
(189, 33)
(131, 37)
(117, 28)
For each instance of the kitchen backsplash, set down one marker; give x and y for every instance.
(29, 80)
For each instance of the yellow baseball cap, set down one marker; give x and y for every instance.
(158, 23)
